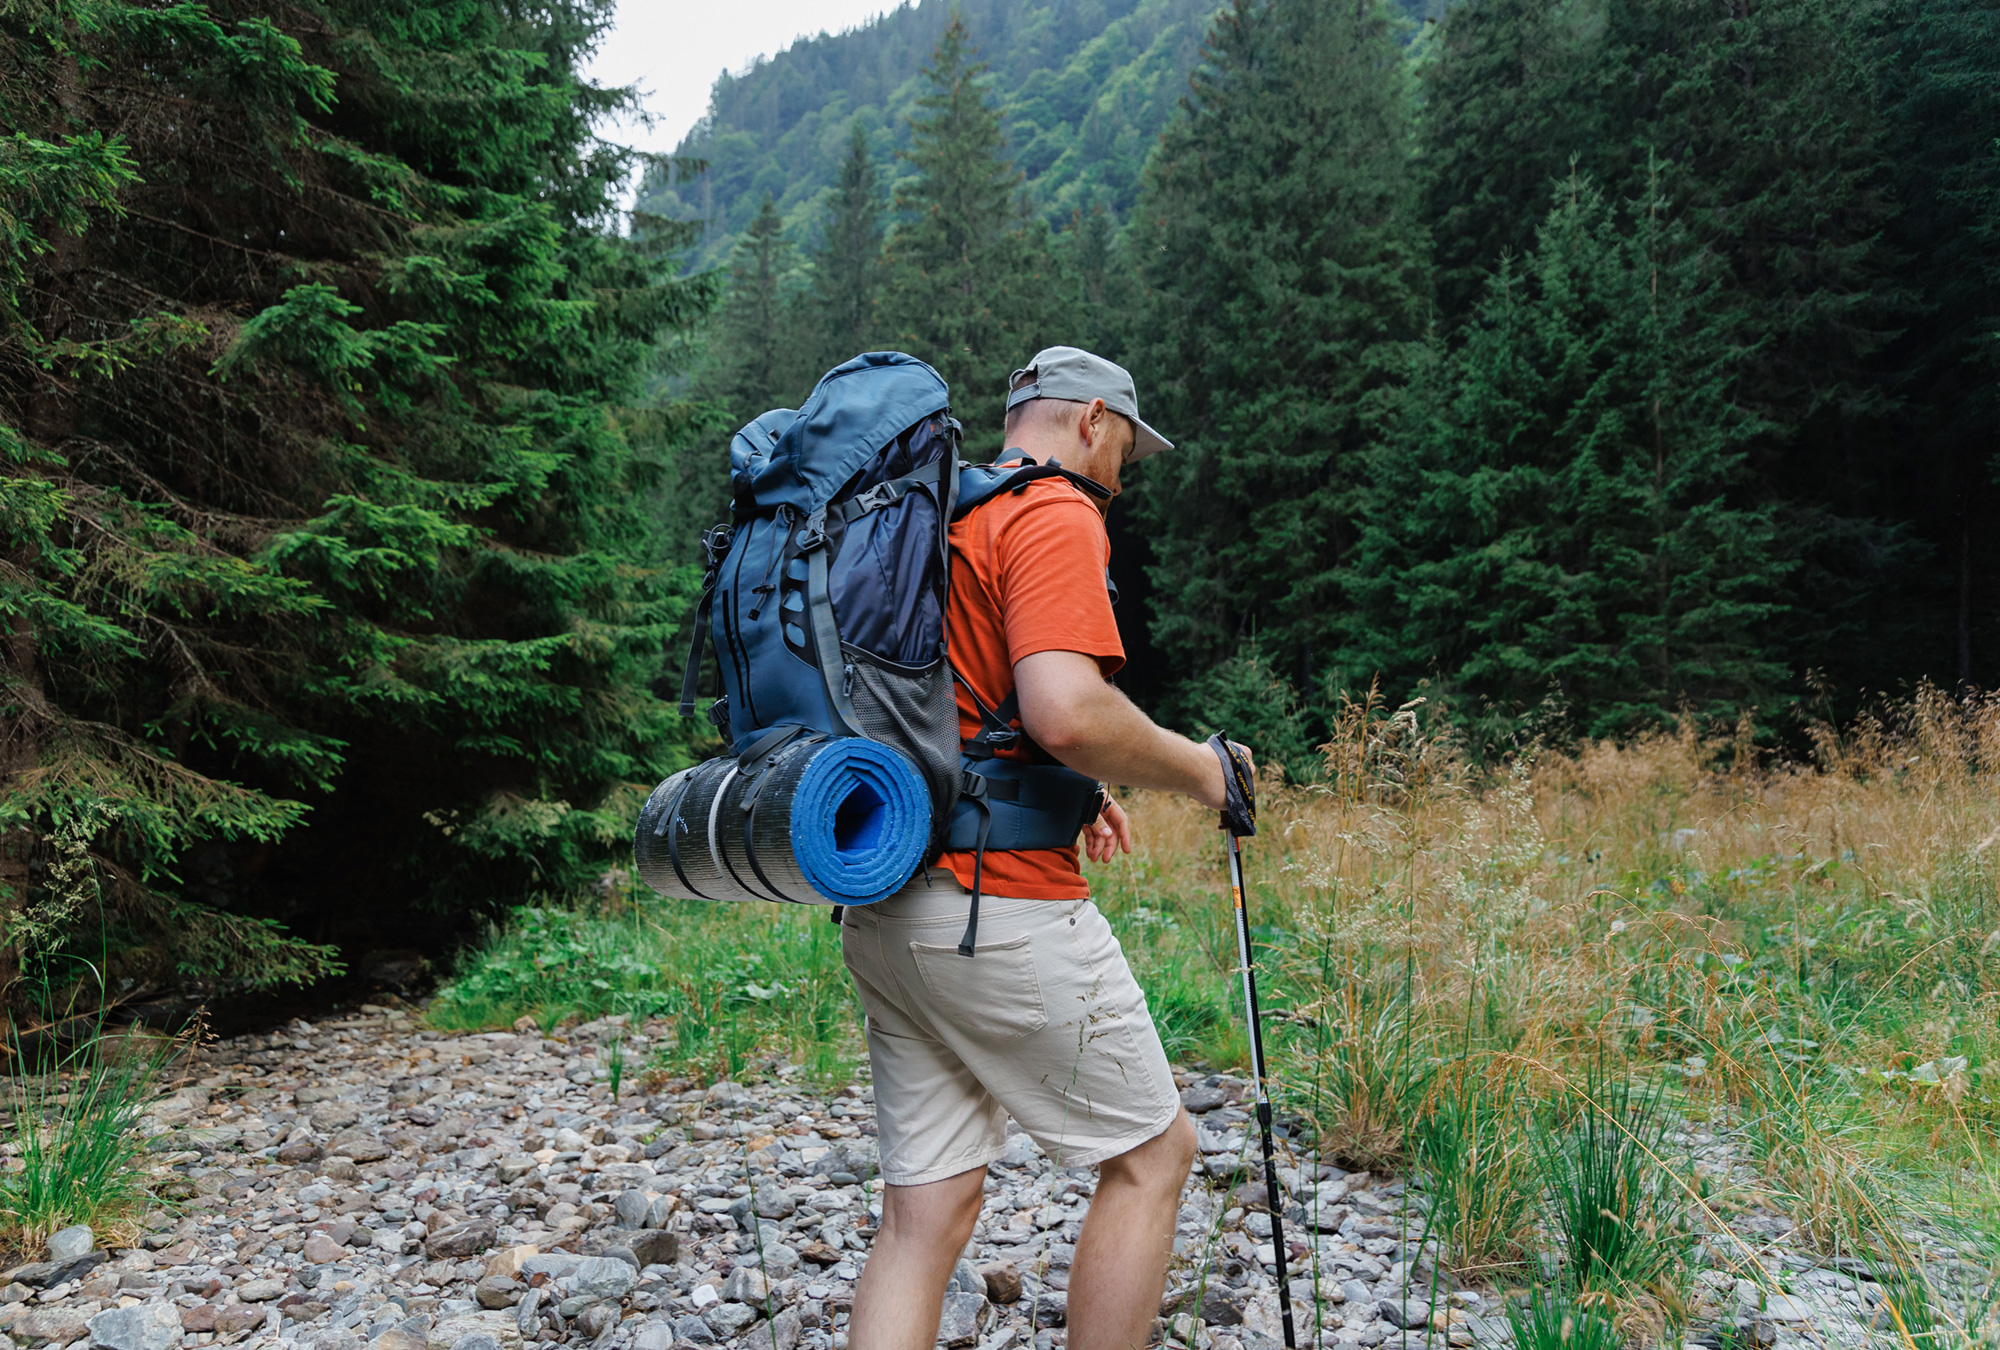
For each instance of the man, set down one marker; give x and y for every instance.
(1045, 1022)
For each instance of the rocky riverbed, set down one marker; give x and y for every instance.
(364, 1182)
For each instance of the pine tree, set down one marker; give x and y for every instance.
(1284, 272)
(756, 359)
(973, 285)
(847, 267)
(1565, 507)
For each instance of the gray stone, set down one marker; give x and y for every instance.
(528, 1313)
(553, 1264)
(659, 1212)
(780, 1333)
(598, 1319)
(148, 1326)
(260, 1291)
(59, 1325)
(497, 1291)
(476, 1340)
(1786, 1308)
(745, 1284)
(631, 1209)
(1051, 1308)
(448, 1332)
(1222, 1306)
(656, 1247)
(601, 1277)
(963, 1313)
(71, 1244)
(694, 1329)
(1410, 1315)
(966, 1279)
(461, 1240)
(773, 1202)
(657, 1336)
(728, 1320)
(621, 1252)
(1357, 1292)
(1199, 1100)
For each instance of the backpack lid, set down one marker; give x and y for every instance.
(801, 459)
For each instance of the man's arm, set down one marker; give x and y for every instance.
(1088, 724)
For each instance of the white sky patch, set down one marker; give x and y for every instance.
(674, 49)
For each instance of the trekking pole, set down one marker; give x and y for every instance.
(1239, 821)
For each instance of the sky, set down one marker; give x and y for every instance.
(674, 49)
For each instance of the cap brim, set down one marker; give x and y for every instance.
(1146, 441)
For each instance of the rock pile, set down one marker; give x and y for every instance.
(365, 1183)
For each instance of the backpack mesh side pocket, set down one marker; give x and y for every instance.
(915, 710)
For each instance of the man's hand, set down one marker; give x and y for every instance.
(1110, 833)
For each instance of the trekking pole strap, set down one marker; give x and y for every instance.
(1239, 786)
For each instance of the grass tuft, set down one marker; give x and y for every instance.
(1549, 1321)
(1471, 1146)
(75, 1142)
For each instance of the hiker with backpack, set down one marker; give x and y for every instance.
(992, 986)
(914, 656)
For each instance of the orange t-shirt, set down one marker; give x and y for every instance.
(1027, 576)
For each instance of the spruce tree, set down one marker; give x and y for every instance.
(1514, 95)
(1285, 272)
(1942, 101)
(1566, 506)
(847, 266)
(756, 359)
(330, 587)
(973, 282)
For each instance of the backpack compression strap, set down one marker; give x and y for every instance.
(714, 546)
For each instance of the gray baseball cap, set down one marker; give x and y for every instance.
(1075, 374)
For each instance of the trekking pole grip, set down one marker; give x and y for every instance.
(1239, 785)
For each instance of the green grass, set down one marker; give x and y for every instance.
(733, 981)
(74, 1135)
(1549, 1321)
(741, 981)
(1614, 1190)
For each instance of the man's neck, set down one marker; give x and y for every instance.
(1070, 454)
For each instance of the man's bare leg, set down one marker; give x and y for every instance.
(924, 1229)
(1121, 1258)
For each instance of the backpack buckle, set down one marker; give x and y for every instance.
(881, 495)
(814, 533)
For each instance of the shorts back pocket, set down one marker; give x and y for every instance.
(995, 995)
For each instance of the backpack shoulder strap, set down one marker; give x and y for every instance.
(981, 483)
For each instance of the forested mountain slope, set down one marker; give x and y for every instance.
(1084, 86)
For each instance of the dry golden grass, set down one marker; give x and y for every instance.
(1807, 950)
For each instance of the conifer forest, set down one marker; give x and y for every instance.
(1583, 368)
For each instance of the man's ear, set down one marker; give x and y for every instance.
(1092, 424)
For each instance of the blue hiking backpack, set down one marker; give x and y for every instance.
(825, 598)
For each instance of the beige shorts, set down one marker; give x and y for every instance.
(1045, 1024)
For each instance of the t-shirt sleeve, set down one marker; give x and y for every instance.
(1052, 558)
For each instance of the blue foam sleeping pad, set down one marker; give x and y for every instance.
(818, 821)
(861, 817)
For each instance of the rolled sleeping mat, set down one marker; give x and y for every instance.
(816, 821)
